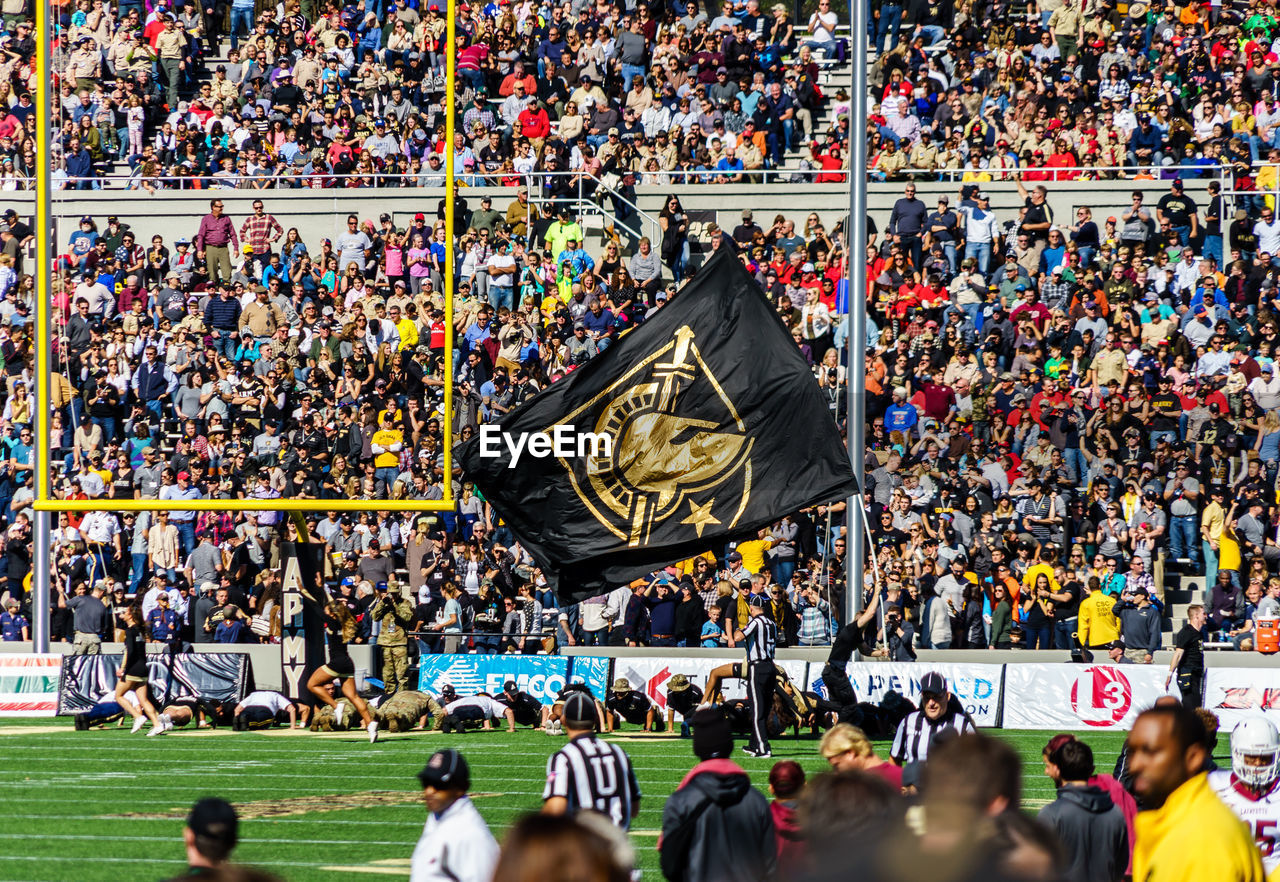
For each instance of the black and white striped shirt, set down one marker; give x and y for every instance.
(592, 774)
(761, 635)
(917, 732)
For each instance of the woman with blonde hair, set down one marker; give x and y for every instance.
(339, 630)
(847, 748)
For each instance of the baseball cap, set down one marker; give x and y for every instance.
(214, 819)
(184, 475)
(933, 683)
(757, 600)
(446, 770)
(509, 686)
(579, 710)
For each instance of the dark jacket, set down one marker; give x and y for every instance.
(733, 838)
(1139, 626)
(1092, 831)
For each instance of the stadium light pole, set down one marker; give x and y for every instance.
(856, 339)
(40, 595)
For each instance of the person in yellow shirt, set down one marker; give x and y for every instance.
(1186, 833)
(1098, 626)
(753, 550)
(1212, 521)
(406, 327)
(386, 445)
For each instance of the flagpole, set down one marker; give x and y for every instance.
(856, 340)
(41, 597)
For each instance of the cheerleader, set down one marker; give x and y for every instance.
(339, 629)
(133, 675)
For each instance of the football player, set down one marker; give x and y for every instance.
(1250, 788)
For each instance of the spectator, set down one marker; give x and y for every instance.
(716, 805)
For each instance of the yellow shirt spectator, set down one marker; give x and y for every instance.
(1098, 625)
(1194, 837)
(386, 444)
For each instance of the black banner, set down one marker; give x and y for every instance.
(224, 676)
(302, 645)
(702, 425)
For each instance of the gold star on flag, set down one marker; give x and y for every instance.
(700, 516)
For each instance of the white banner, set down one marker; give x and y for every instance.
(29, 685)
(1080, 697)
(976, 685)
(1235, 694)
(650, 675)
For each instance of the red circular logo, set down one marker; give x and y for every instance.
(1101, 696)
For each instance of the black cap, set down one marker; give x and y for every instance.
(757, 600)
(712, 734)
(446, 770)
(933, 683)
(214, 819)
(579, 711)
(509, 686)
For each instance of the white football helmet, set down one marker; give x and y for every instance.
(1256, 737)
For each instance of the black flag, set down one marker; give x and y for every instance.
(701, 425)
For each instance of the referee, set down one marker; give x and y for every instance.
(587, 773)
(761, 637)
(941, 715)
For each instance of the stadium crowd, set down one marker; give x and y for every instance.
(1075, 90)
(342, 95)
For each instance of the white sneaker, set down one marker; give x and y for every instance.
(161, 729)
(138, 723)
(373, 731)
(338, 713)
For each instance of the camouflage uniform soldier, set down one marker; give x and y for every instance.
(408, 709)
(393, 613)
(323, 721)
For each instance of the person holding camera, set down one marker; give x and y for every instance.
(392, 613)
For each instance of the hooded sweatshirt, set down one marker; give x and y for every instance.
(1093, 833)
(733, 837)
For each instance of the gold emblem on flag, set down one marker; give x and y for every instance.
(679, 443)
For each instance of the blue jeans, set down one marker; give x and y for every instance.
(1037, 638)
(630, 72)
(1210, 562)
(1062, 633)
(108, 425)
(1213, 248)
(933, 34)
(138, 570)
(782, 571)
(386, 476)
(1184, 538)
(224, 343)
(981, 252)
(890, 22)
(949, 249)
(187, 535)
(501, 295)
(240, 17)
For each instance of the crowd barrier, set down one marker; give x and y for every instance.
(1050, 697)
(1024, 695)
(87, 679)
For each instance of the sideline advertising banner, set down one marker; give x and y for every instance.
(1236, 694)
(542, 676)
(650, 675)
(977, 686)
(1080, 697)
(29, 685)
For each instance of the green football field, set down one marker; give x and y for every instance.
(107, 805)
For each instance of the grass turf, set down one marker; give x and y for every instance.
(102, 804)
